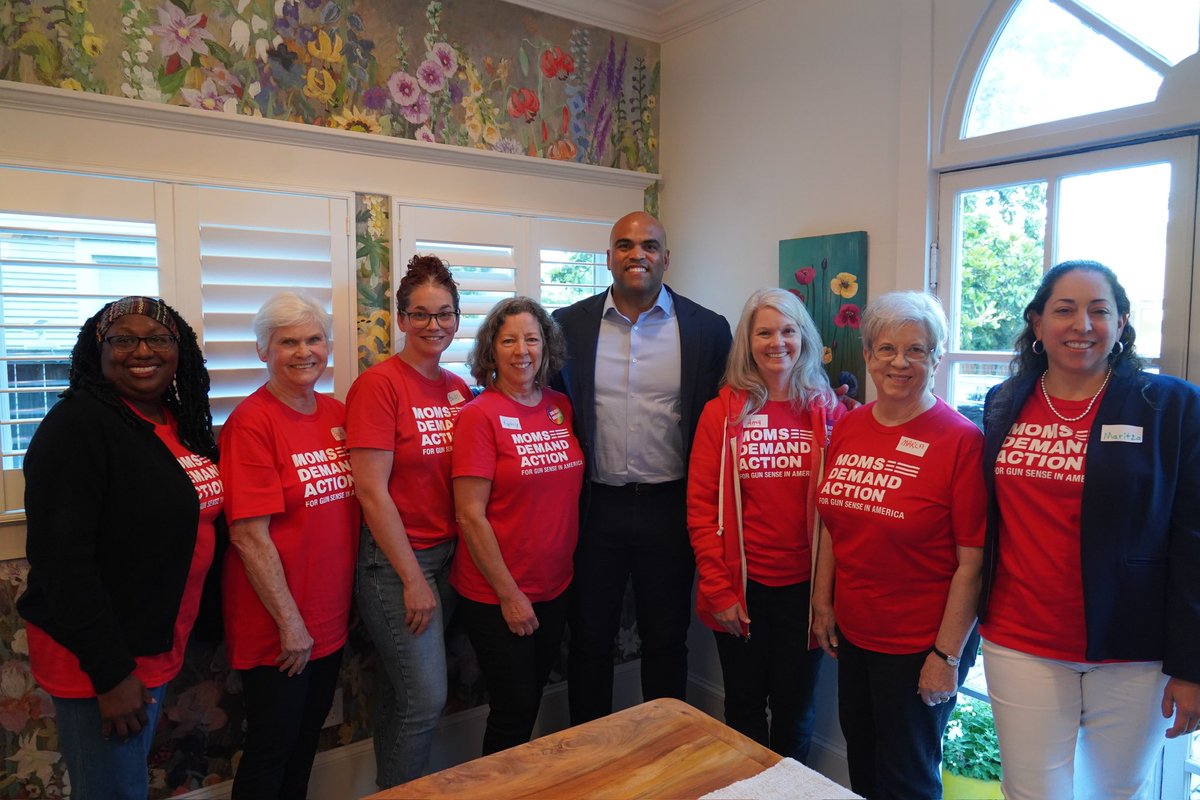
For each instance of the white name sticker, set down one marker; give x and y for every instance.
(755, 421)
(455, 397)
(1121, 433)
(912, 447)
(510, 423)
(339, 433)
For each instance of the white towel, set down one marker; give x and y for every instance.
(787, 780)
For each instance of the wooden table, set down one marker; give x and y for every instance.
(661, 749)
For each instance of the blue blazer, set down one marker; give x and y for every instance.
(1139, 522)
(704, 342)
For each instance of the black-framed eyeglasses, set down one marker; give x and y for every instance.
(444, 318)
(914, 352)
(159, 342)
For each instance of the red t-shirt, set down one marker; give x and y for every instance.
(535, 465)
(57, 669)
(898, 501)
(775, 466)
(293, 468)
(393, 407)
(1036, 605)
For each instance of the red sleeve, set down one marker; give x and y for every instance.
(372, 410)
(715, 590)
(475, 451)
(248, 464)
(968, 508)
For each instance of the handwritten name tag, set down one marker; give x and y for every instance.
(510, 423)
(755, 421)
(455, 397)
(912, 447)
(1121, 433)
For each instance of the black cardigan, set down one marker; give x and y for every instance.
(112, 521)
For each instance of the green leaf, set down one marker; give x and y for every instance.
(171, 84)
(523, 60)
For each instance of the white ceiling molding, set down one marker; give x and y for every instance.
(656, 20)
(89, 105)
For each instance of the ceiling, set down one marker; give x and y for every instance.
(656, 20)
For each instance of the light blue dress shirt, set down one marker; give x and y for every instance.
(638, 367)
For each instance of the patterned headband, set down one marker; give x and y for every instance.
(145, 306)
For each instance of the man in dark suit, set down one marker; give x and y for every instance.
(642, 362)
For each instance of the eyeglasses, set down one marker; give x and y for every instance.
(421, 318)
(160, 342)
(914, 352)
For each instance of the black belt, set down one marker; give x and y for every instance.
(638, 488)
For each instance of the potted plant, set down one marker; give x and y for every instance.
(971, 753)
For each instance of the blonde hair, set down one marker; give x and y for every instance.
(807, 385)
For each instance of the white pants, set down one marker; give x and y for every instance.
(1052, 715)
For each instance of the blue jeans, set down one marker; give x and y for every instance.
(774, 667)
(412, 693)
(99, 768)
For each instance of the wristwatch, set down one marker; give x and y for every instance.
(953, 661)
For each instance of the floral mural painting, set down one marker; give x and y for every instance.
(472, 73)
(373, 267)
(829, 275)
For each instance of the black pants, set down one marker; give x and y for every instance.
(283, 723)
(893, 740)
(773, 668)
(638, 531)
(515, 668)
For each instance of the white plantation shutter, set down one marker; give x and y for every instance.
(572, 258)
(253, 244)
(483, 251)
(68, 245)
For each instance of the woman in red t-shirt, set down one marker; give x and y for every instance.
(899, 559)
(517, 472)
(294, 522)
(752, 480)
(400, 417)
(122, 497)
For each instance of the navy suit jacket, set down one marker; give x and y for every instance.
(1139, 532)
(704, 341)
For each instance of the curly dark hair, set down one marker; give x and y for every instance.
(425, 271)
(1027, 362)
(482, 360)
(187, 397)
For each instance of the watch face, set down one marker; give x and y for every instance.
(953, 661)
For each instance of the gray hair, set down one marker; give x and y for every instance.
(285, 309)
(482, 360)
(808, 384)
(895, 309)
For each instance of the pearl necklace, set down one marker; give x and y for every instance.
(1092, 402)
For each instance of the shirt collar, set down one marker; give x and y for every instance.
(664, 302)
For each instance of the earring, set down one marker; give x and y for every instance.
(1037, 347)
(1118, 348)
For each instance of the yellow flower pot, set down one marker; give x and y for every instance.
(956, 787)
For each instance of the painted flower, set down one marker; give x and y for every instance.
(92, 44)
(805, 275)
(845, 284)
(70, 83)
(32, 762)
(474, 127)
(375, 98)
(206, 97)
(826, 355)
(445, 56)
(403, 88)
(850, 381)
(491, 133)
(423, 134)
(77, 6)
(419, 111)
(523, 103)
(557, 64)
(430, 76)
(562, 150)
(239, 36)
(508, 145)
(799, 295)
(326, 49)
(198, 705)
(651, 101)
(354, 119)
(652, 142)
(319, 85)
(848, 314)
(181, 34)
